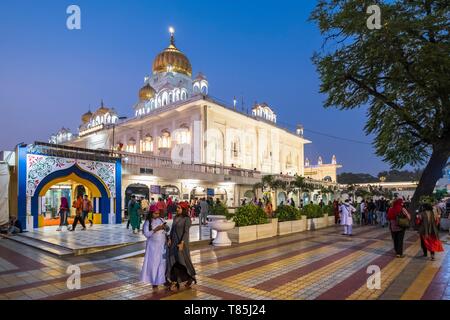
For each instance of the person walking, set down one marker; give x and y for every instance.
(397, 232)
(155, 262)
(86, 208)
(171, 208)
(161, 206)
(268, 209)
(133, 212)
(179, 265)
(428, 222)
(382, 208)
(63, 213)
(336, 211)
(204, 209)
(363, 212)
(346, 211)
(78, 205)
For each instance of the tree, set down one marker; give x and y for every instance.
(400, 72)
(349, 178)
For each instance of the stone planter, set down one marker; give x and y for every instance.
(288, 227)
(284, 227)
(243, 234)
(255, 232)
(330, 221)
(213, 217)
(316, 223)
(299, 225)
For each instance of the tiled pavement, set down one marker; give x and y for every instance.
(319, 264)
(101, 235)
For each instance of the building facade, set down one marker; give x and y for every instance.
(182, 143)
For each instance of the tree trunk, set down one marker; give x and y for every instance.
(431, 174)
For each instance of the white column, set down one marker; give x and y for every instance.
(97, 205)
(39, 205)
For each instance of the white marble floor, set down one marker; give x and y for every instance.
(102, 235)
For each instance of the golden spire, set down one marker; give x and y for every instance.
(172, 37)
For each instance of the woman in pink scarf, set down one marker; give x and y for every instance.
(63, 213)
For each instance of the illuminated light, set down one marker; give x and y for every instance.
(171, 30)
(91, 130)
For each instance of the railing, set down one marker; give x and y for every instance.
(152, 161)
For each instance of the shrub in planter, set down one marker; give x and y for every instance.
(220, 209)
(312, 211)
(328, 209)
(287, 213)
(250, 215)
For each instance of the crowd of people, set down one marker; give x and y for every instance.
(138, 208)
(397, 216)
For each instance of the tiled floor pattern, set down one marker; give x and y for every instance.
(101, 235)
(320, 264)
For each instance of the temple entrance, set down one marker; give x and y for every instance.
(71, 188)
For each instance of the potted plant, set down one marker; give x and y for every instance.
(251, 224)
(289, 220)
(314, 215)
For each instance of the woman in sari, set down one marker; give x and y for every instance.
(428, 222)
(179, 265)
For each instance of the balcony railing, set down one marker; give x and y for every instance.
(152, 161)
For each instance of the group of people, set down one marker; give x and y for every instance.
(399, 219)
(139, 208)
(83, 210)
(167, 258)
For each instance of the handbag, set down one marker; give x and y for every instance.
(402, 221)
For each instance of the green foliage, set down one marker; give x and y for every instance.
(287, 213)
(328, 209)
(312, 210)
(249, 215)
(220, 209)
(400, 73)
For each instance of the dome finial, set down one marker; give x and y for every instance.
(172, 38)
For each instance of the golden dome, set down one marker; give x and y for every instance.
(85, 118)
(146, 92)
(172, 59)
(102, 110)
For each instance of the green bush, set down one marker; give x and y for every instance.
(250, 215)
(328, 209)
(287, 213)
(219, 209)
(312, 211)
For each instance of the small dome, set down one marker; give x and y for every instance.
(85, 118)
(146, 92)
(200, 76)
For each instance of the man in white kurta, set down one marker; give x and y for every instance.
(346, 210)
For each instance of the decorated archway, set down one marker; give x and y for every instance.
(41, 167)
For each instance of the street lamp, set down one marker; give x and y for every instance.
(114, 131)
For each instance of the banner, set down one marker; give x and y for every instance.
(4, 193)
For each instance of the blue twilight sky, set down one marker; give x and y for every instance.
(260, 50)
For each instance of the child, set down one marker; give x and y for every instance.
(154, 267)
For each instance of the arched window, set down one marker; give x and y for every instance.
(164, 139)
(164, 99)
(182, 135)
(131, 146)
(183, 95)
(147, 144)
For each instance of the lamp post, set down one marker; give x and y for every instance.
(113, 133)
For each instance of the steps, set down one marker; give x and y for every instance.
(41, 245)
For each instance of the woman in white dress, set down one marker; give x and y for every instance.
(154, 267)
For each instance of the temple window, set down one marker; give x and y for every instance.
(147, 144)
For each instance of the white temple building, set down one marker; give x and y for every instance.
(182, 143)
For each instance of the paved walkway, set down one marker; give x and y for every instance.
(101, 235)
(311, 265)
